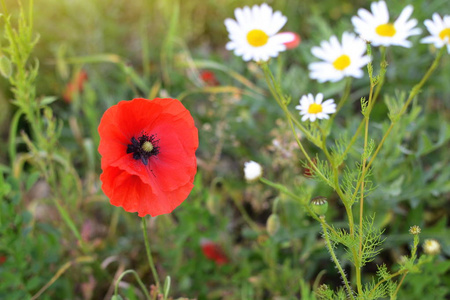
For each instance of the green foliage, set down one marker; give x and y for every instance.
(323, 171)
(432, 281)
(54, 217)
(351, 183)
(371, 241)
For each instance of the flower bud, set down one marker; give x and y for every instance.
(252, 170)
(273, 224)
(212, 203)
(319, 205)
(414, 230)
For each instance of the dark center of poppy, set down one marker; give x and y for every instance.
(143, 147)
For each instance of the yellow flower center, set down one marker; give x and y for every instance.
(315, 108)
(445, 34)
(257, 38)
(341, 62)
(386, 30)
(147, 146)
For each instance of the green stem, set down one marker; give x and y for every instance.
(358, 261)
(149, 255)
(245, 215)
(276, 92)
(353, 140)
(12, 136)
(383, 66)
(379, 85)
(278, 95)
(141, 284)
(386, 279)
(336, 262)
(344, 98)
(414, 91)
(284, 190)
(336, 185)
(394, 295)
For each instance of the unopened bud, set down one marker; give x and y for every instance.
(319, 205)
(415, 230)
(273, 224)
(322, 292)
(212, 203)
(252, 171)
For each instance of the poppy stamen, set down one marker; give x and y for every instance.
(143, 147)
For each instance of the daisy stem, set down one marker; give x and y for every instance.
(344, 98)
(336, 261)
(373, 83)
(414, 91)
(358, 262)
(366, 113)
(277, 94)
(383, 66)
(336, 185)
(149, 255)
(275, 90)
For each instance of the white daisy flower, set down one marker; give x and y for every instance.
(254, 35)
(313, 109)
(376, 28)
(439, 29)
(339, 60)
(252, 170)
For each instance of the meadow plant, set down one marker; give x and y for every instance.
(234, 238)
(349, 178)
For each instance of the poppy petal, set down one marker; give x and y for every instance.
(148, 182)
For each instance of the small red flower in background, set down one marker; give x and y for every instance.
(2, 259)
(148, 155)
(214, 252)
(75, 86)
(209, 78)
(294, 39)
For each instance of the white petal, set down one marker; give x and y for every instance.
(432, 28)
(319, 53)
(277, 22)
(428, 40)
(230, 45)
(380, 11)
(404, 15)
(319, 98)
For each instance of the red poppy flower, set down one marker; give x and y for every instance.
(294, 39)
(214, 252)
(209, 78)
(2, 259)
(148, 155)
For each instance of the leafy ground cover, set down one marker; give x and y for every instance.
(231, 239)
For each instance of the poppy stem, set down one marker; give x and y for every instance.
(149, 255)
